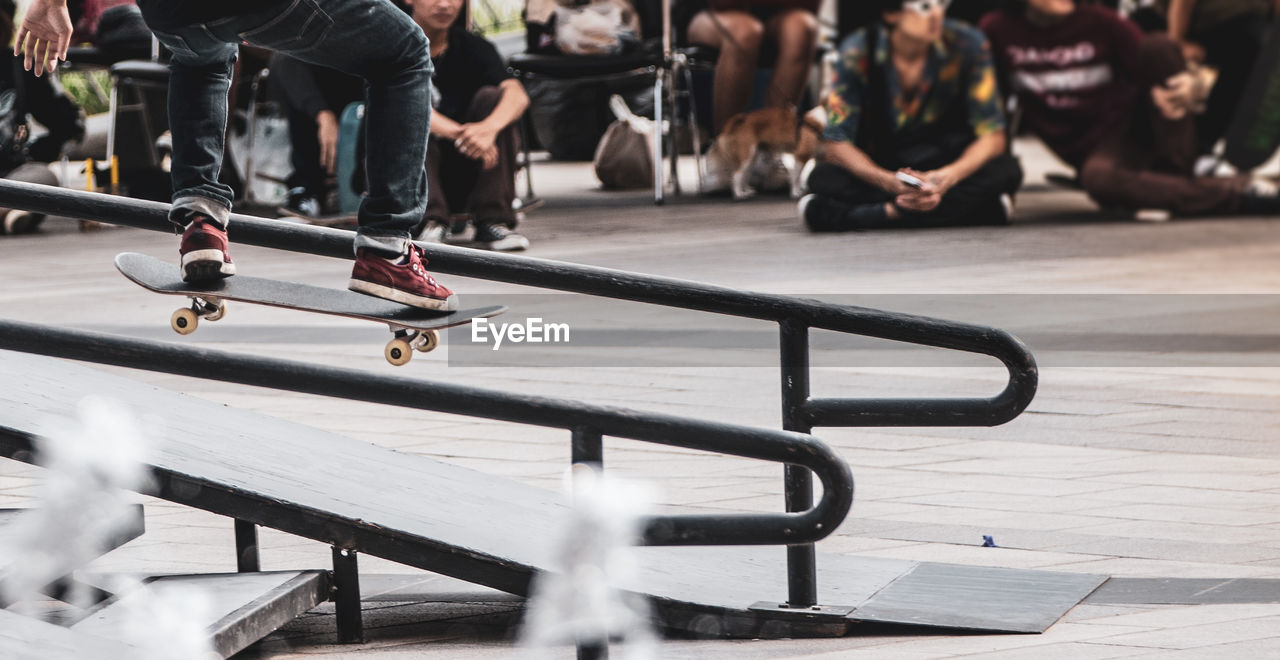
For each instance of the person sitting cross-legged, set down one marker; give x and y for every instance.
(1118, 107)
(471, 154)
(914, 95)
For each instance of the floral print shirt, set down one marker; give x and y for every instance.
(958, 77)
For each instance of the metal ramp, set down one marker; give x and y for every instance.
(423, 513)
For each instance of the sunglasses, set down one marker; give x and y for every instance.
(926, 6)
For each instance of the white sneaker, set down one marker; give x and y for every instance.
(21, 222)
(1262, 188)
(434, 232)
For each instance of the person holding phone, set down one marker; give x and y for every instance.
(915, 135)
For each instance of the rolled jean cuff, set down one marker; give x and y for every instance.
(387, 244)
(184, 207)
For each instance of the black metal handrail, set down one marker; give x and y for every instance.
(795, 317)
(605, 282)
(731, 439)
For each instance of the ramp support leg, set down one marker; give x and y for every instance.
(346, 597)
(588, 447)
(802, 571)
(247, 560)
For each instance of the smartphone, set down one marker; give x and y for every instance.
(910, 180)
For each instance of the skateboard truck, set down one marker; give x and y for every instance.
(185, 319)
(400, 349)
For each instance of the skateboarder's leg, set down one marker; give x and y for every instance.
(376, 41)
(200, 73)
(199, 78)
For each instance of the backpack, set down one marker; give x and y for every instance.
(624, 157)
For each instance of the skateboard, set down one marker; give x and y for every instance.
(414, 328)
(1254, 133)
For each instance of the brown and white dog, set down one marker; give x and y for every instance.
(751, 146)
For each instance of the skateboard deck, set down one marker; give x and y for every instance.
(414, 328)
(1254, 133)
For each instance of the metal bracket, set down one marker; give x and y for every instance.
(815, 613)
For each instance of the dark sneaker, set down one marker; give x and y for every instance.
(496, 236)
(823, 214)
(404, 280)
(204, 251)
(20, 222)
(301, 204)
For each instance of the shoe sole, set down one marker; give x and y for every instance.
(206, 266)
(507, 245)
(404, 298)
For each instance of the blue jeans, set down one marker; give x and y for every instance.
(371, 39)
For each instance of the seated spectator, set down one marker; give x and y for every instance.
(314, 97)
(1227, 35)
(1115, 107)
(738, 28)
(43, 99)
(471, 152)
(915, 94)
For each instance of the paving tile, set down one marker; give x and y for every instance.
(1179, 514)
(1205, 634)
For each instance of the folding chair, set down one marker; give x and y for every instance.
(664, 64)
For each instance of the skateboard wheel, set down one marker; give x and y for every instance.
(428, 340)
(184, 321)
(398, 352)
(218, 313)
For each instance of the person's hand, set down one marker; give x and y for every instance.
(1176, 96)
(327, 136)
(489, 158)
(44, 36)
(475, 140)
(942, 179)
(917, 199)
(1192, 52)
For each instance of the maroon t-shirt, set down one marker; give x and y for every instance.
(1074, 80)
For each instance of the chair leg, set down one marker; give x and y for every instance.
(525, 129)
(658, 164)
(673, 147)
(692, 118)
(113, 110)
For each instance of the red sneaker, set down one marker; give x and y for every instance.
(407, 283)
(204, 251)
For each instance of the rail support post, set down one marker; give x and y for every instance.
(247, 559)
(802, 571)
(346, 596)
(587, 447)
